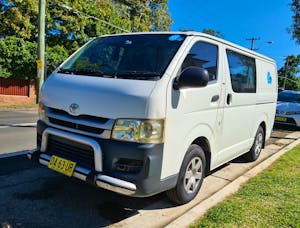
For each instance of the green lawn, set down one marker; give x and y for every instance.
(271, 199)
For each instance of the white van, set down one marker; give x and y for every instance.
(143, 113)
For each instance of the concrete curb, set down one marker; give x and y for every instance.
(199, 210)
(14, 154)
(18, 125)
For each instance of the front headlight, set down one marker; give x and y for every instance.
(141, 131)
(292, 113)
(42, 114)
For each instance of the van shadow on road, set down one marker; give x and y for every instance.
(32, 196)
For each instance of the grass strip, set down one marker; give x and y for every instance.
(271, 199)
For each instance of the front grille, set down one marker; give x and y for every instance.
(76, 126)
(80, 117)
(80, 153)
(83, 124)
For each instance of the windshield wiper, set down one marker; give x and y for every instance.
(89, 72)
(138, 74)
(65, 71)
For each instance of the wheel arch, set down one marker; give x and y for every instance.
(263, 125)
(263, 122)
(205, 145)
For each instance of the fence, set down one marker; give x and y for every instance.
(17, 91)
(17, 87)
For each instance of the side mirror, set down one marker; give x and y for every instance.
(191, 77)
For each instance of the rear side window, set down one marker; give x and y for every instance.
(242, 72)
(203, 55)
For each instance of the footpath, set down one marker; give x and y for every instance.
(216, 187)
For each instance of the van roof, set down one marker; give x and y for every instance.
(192, 33)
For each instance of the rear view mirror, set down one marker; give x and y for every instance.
(191, 77)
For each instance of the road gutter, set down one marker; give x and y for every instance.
(18, 125)
(19, 153)
(200, 209)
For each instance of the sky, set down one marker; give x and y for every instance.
(238, 20)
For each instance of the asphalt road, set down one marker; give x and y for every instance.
(17, 117)
(14, 136)
(33, 196)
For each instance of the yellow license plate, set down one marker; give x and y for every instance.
(62, 165)
(281, 119)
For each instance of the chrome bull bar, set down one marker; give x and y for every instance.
(92, 176)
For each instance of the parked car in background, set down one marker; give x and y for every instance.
(288, 108)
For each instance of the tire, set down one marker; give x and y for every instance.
(191, 175)
(257, 146)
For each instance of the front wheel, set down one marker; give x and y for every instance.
(190, 177)
(257, 146)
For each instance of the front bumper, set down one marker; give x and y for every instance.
(106, 153)
(291, 120)
(103, 181)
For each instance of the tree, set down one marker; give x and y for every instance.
(18, 58)
(290, 71)
(19, 18)
(147, 15)
(71, 26)
(71, 23)
(295, 27)
(213, 33)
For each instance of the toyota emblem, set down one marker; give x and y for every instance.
(74, 109)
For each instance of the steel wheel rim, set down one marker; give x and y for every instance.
(258, 144)
(193, 175)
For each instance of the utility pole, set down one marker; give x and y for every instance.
(41, 47)
(285, 71)
(253, 39)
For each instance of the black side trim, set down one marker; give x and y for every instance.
(261, 103)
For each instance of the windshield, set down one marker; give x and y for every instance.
(289, 97)
(139, 56)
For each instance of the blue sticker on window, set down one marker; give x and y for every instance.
(175, 38)
(269, 78)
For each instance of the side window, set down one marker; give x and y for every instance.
(242, 72)
(203, 55)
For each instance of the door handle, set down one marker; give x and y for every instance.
(229, 99)
(215, 98)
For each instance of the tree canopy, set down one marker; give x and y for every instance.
(18, 58)
(290, 71)
(69, 24)
(72, 23)
(295, 27)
